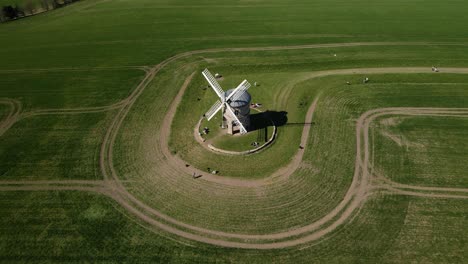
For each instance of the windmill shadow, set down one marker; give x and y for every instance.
(300, 124)
(265, 119)
(279, 118)
(261, 122)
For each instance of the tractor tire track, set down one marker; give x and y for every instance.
(68, 185)
(13, 115)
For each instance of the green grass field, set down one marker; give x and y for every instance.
(429, 151)
(68, 88)
(3, 112)
(96, 157)
(59, 147)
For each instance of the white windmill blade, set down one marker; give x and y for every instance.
(213, 110)
(236, 120)
(239, 90)
(244, 86)
(213, 83)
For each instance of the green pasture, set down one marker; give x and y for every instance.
(54, 147)
(60, 146)
(91, 54)
(424, 150)
(4, 111)
(14, 2)
(184, 144)
(74, 226)
(57, 89)
(314, 190)
(275, 77)
(107, 33)
(329, 157)
(242, 142)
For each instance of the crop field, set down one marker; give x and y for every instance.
(99, 106)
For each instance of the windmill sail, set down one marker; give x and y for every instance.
(213, 110)
(239, 91)
(213, 83)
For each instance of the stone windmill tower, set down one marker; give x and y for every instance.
(234, 105)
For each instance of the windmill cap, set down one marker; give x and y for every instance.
(242, 100)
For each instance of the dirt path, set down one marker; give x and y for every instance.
(105, 188)
(405, 188)
(352, 201)
(423, 188)
(68, 185)
(16, 105)
(29, 70)
(427, 195)
(96, 109)
(283, 173)
(79, 110)
(13, 115)
(358, 192)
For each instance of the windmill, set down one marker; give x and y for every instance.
(234, 105)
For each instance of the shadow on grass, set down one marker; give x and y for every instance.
(261, 121)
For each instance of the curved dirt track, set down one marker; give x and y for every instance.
(106, 188)
(79, 110)
(353, 200)
(283, 173)
(426, 191)
(359, 190)
(16, 114)
(13, 115)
